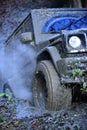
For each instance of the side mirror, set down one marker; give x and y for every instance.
(26, 37)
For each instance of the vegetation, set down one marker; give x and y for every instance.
(78, 73)
(9, 96)
(84, 87)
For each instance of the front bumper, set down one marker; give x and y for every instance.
(72, 70)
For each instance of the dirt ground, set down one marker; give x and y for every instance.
(33, 118)
(37, 119)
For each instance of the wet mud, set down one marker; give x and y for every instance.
(19, 115)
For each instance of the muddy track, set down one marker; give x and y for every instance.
(30, 118)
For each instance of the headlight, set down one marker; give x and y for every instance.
(74, 41)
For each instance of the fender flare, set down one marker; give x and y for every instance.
(54, 54)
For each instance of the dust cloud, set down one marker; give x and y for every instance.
(17, 67)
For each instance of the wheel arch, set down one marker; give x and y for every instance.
(50, 53)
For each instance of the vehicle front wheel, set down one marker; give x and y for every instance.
(47, 90)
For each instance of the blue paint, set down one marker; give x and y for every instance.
(56, 24)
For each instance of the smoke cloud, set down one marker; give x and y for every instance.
(17, 67)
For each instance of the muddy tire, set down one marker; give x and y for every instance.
(47, 90)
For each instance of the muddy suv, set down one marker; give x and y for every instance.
(61, 40)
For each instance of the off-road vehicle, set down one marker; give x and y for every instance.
(60, 37)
